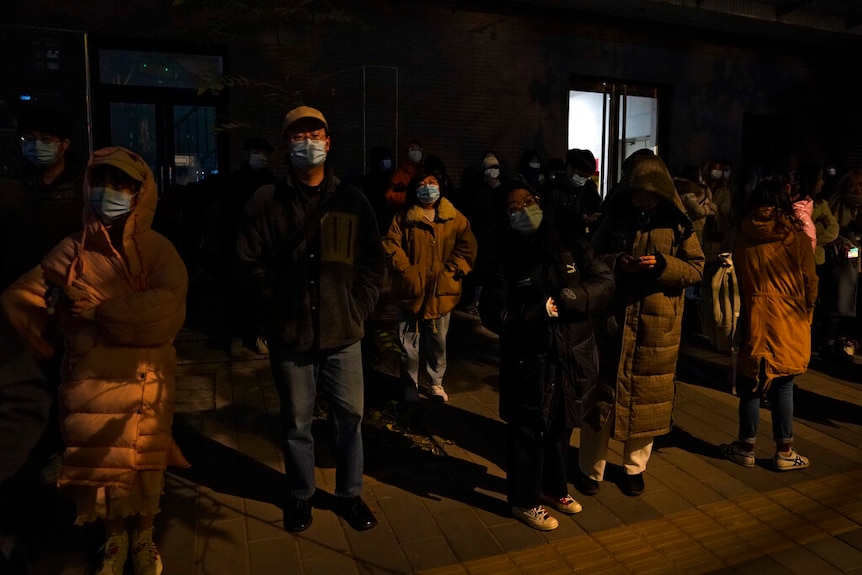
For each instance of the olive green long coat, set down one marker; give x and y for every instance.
(640, 334)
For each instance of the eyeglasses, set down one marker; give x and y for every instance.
(315, 136)
(513, 210)
(43, 139)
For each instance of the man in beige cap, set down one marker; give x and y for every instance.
(310, 261)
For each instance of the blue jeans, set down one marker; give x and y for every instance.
(781, 394)
(338, 374)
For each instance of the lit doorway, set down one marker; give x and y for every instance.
(612, 120)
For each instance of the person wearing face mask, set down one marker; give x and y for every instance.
(478, 200)
(412, 161)
(538, 298)
(375, 181)
(575, 199)
(309, 267)
(234, 194)
(648, 239)
(430, 248)
(530, 169)
(117, 292)
(42, 204)
(718, 225)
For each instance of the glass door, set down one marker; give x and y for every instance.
(612, 120)
(149, 102)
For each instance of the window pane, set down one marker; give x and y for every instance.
(195, 154)
(133, 126)
(162, 69)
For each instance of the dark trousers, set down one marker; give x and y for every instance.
(535, 462)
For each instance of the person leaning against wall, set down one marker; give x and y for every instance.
(310, 263)
(647, 238)
(117, 291)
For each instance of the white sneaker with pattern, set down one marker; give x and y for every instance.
(114, 554)
(535, 517)
(145, 556)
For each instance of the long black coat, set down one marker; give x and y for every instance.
(544, 360)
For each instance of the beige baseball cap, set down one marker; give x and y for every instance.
(301, 112)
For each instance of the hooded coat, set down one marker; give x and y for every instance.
(640, 335)
(778, 287)
(117, 393)
(429, 259)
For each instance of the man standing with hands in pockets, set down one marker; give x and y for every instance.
(310, 261)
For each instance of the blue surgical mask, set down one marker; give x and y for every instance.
(428, 193)
(257, 160)
(415, 156)
(308, 153)
(527, 220)
(110, 204)
(386, 164)
(41, 154)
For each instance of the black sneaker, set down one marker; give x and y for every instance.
(632, 485)
(356, 513)
(586, 485)
(297, 515)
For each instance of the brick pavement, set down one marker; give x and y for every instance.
(442, 509)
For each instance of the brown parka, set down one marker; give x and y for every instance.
(778, 287)
(429, 259)
(639, 339)
(116, 398)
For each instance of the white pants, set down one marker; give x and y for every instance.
(593, 452)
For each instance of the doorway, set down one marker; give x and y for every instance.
(612, 120)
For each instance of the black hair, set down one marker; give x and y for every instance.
(412, 199)
(772, 192)
(45, 121)
(257, 143)
(581, 160)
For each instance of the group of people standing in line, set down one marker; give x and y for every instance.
(587, 297)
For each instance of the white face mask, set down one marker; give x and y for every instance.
(831, 171)
(386, 164)
(726, 174)
(526, 221)
(415, 156)
(41, 154)
(715, 174)
(110, 204)
(308, 153)
(535, 165)
(578, 180)
(257, 160)
(492, 173)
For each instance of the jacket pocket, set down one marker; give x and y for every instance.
(447, 284)
(409, 285)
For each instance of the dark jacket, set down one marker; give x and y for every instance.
(571, 204)
(539, 354)
(34, 218)
(319, 295)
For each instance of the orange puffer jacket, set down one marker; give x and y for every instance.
(117, 392)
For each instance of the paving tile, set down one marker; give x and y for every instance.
(429, 554)
(852, 538)
(377, 550)
(836, 553)
(323, 538)
(466, 534)
(221, 547)
(274, 556)
(409, 518)
(511, 536)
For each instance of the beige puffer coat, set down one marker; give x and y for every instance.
(117, 392)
